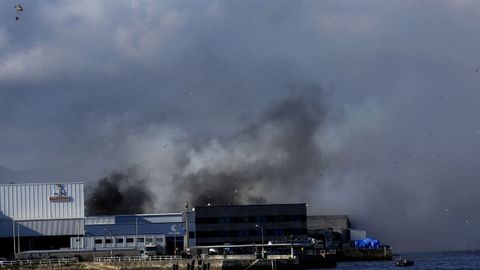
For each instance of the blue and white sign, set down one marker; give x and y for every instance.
(60, 194)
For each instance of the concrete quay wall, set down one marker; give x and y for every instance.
(191, 264)
(354, 254)
(183, 264)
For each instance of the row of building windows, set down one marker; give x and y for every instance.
(245, 233)
(251, 219)
(120, 240)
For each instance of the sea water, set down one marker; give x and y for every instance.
(434, 260)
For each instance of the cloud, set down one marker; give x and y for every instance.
(34, 63)
(3, 38)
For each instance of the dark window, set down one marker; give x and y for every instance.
(119, 240)
(243, 233)
(279, 219)
(108, 241)
(224, 220)
(130, 240)
(237, 219)
(141, 239)
(204, 234)
(261, 219)
(207, 220)
(98, 241)
(298, 218)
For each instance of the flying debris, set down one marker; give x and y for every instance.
(18, 8)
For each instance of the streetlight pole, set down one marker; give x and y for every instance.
(174, 229)
(78, 235)
(175, 243)
(111, 242)
(263, 248)
(291, 246)
(136, 232)
(18, 236)
(186, 233)
(13, 235)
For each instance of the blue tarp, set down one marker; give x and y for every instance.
(368, 243)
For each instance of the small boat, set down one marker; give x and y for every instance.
(404, 262)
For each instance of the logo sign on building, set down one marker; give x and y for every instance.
(175, 229)
(60, 194)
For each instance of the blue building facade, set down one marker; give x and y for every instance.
(136, 224)
(171, 225)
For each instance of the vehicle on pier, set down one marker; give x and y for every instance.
(151, 249)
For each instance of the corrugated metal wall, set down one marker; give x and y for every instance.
(100, 220)
(42, 227)
(52, 227)
(31, 201)
(132, 229)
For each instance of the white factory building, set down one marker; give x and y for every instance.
(40, 216)
(50, 216)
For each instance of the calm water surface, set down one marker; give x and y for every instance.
(437, 260)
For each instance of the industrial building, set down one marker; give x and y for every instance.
(166, 230)
(51, 216)
(245, 224)
(336, 223)
(333, 230)
(40, 216)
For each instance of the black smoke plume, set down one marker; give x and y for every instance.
(274, 158)
(119, 193)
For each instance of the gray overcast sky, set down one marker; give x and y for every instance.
(87, 87)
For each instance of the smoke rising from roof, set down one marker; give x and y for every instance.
(272, 155)
(119, 193)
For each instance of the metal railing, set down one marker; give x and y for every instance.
(321, 252)
(135, 258)
(61, 261)
(250, 257)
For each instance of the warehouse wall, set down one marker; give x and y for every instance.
(338, 223)
(131, 224)
(50, 227)
(35, 201)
